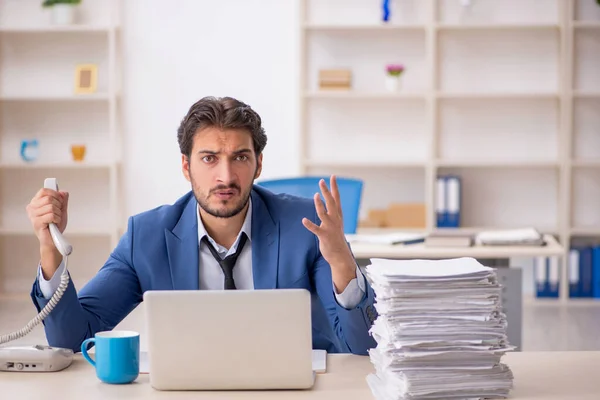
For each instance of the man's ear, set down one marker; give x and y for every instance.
(259, 160)
(185, 167)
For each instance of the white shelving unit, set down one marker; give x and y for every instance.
(38, 101)
(504, 93)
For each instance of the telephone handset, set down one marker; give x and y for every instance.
(59, 240)
(40, 358)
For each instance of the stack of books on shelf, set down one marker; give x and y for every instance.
(440, 331)
(449, 238)
(510, 237)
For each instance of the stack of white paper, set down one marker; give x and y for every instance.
(510, 237)
(440, 333)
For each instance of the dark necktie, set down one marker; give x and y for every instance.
(228, 262)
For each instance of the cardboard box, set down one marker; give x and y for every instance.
(335, 79)
(375, 219)
(406, 215)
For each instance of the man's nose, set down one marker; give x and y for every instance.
(225, 172)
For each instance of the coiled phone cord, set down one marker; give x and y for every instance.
(62, 287)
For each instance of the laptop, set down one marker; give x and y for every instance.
(229, 339)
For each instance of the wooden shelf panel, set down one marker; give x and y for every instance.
(363, 27)
(585, 231)
(365, 164)
(57, 29)
(498, 96)
(20, 256)
(518, 197)
(488, 163)
(503, 13)
(586, 25)
(400, 127)
(585, 210)
(57, 97)
(356, 95)
(586, 163)
(56, 165)
(587, 95)
(496, 27)
(70, 231)
(498, 62)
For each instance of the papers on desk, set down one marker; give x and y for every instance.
(510, 237)
(440, 331)
(386, 238)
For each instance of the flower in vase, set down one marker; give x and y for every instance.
(394, 69)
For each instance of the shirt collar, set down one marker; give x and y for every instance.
(246, 228)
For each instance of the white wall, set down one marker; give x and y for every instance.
(178, 51)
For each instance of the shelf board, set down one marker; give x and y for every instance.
(477, 229)
(67, 97)
(586, 95)
(55, 165)
(492, 27)
(363, 27)
(586, 163)
(585, 231)
(78, 231)
(364, 164)
(56, 29)
(497, 163)
(586, 24)
(355, 95)
(499, 96)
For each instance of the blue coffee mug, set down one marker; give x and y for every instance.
(117, 356)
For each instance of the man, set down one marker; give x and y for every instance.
(226, 233)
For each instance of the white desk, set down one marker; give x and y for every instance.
(540, 376)
(419, 250)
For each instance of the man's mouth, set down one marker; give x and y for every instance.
(225, 194)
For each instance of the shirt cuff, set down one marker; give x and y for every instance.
(49, 287)
(354, 292)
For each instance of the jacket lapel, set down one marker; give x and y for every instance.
(265, 245)
(182, 249)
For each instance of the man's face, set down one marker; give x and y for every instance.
(221, 168)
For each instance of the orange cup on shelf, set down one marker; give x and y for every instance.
(78, 152)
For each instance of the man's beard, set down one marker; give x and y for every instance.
(227, 213)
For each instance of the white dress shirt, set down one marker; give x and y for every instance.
(211, 276)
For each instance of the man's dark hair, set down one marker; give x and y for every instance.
(221, 113)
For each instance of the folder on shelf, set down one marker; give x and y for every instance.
(553, 276)
(573, 265)
(540, 273)
(585, 271)
(453, 193)
(440, 204)
(547, 276)
(596, 272)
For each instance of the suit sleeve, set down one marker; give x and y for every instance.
(100, 305)
(350, 325)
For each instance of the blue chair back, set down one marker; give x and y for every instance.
(350, 193)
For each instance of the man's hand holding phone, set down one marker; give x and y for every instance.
(48, 206)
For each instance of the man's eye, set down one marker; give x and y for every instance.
(241, 158)
(208, 158)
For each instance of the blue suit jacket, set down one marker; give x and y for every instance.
(160, 252)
